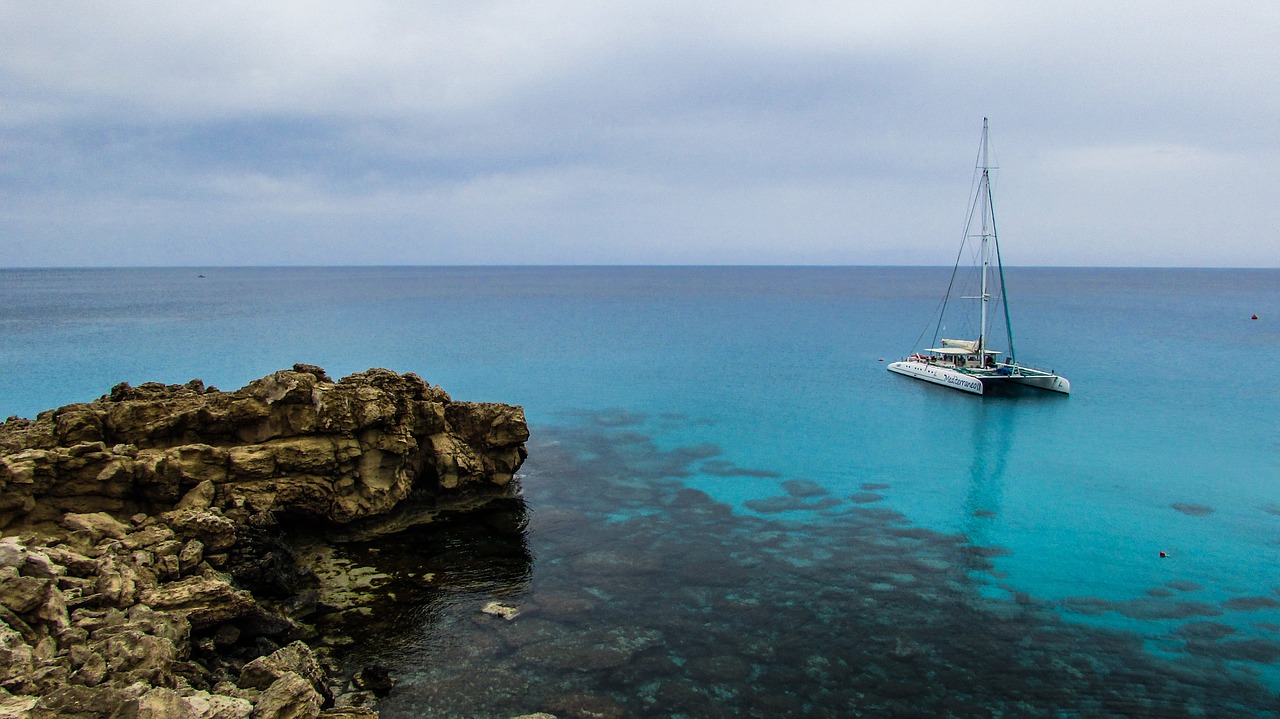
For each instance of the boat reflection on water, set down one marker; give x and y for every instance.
(993, 431)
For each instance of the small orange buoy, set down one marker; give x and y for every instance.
(1163, 555)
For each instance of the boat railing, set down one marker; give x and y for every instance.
(1017, 368)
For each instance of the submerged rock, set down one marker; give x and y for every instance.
(144, 570)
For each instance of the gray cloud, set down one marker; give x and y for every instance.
(657, 132)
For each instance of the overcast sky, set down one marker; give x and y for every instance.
(622, 132)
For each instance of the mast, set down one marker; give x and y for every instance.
(1004, 294)
(985, 189)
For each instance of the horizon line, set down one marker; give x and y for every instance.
(614, 265)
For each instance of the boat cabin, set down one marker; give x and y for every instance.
(962, 354)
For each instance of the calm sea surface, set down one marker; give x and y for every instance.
(731, 509)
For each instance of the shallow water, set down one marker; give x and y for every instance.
(644, 597)
(722, 467)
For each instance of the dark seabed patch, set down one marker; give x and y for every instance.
(790, 503)
(613, 417)
(1272, 509)
(723, 468)
(1092, 606)
(1184, 585)
(803, 488)
(1258, 651)
(641, 597)
(865, 497)
(1205, 630)
(984, 513)
(1250, 604)
(874, 486)
(1193, 510)
(1155, 608)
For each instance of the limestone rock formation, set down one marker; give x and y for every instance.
(141, 573)
(293, 442)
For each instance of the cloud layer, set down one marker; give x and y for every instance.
(633, 132)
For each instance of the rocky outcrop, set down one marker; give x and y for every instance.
(143, 572)
(293, 442)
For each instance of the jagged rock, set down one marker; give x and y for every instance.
(95, 525)
(135, 656)
(21, 594)
(13, 554)
(73, 701)
(289, 697)
(37, 563)
(17, 658)
(16, 707)
(165, 703)
(92, 668)
(215, 532)
(17, 624)
(348, 713)
(147, 537)
(191, 554)
(29, 561)
(117, 581)
(214, 706)
(52, 612)
(158, 703)
(297, 658)
(75, 564)
(204, 601)
(362, 699)
(200, 497)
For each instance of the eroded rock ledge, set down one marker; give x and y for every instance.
(141, 572)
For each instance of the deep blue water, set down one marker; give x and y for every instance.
(746, 413)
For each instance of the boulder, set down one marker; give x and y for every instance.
(215, 532)
(73, 701)
(95, 525)
(289, 697)
(296, 658)
(158, 703)
(13, 553)
(199, 497)
(17, 657)
(21, 594)
(203, 600)
(17, 707)
(204, 705)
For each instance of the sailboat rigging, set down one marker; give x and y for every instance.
(970, 365)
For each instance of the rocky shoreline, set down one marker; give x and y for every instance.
(149, 561)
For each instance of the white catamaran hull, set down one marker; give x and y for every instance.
(956, 379)
(1051, 382)
(937, 375)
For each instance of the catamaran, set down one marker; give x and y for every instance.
(970, 365)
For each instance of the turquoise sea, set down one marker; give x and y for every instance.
(731, 509)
